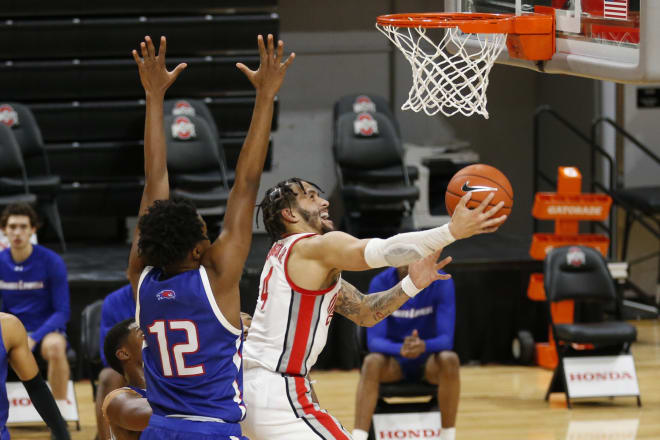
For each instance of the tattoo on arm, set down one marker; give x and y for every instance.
(367, 310)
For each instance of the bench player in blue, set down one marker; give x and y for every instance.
(188, 302)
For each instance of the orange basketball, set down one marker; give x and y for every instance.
(481, 180)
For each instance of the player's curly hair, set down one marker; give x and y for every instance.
(169, 230)
(282, 195)
(115, 338)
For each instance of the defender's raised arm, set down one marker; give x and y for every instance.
(155, 79)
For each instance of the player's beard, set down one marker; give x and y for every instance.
(314, 219)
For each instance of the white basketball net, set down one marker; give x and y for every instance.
(442, 81)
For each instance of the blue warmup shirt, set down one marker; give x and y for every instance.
(4, 402)
(192, 356)
(432, 313)
(117, 306)
(36, 291)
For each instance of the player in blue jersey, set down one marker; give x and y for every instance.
(188, 302)
(14, 351)
(126, 409)
(117, 307)
(412, 344)
(34, 288)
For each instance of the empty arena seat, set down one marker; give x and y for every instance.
(198, 108)
(580, 274)
(40, 180)
(17, 8)
(87, 37)
(194, 163)
(365, 102)
(117, 78)
(366, 144)
(11, 168)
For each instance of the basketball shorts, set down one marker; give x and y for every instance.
(413, 369)
(166, 428)
(280, 406)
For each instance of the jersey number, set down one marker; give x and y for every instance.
(178, 350)
(264, 291)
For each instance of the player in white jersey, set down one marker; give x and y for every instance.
(301, 288)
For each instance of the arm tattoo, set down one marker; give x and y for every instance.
(367, 310)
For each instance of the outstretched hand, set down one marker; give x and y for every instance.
(155, 77)
(425, 271)
(268, 78)
(466, 222)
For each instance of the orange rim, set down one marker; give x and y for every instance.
(478, 23)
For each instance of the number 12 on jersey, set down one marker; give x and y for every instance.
(191, 345)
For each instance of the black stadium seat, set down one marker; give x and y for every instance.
(17, 8)
(88, 37)
(117, 78)
(580, 274)
(11, 166)
(124, 120)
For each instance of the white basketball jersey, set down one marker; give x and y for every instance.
(290, 324)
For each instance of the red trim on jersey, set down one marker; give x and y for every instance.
(301, 335)
(290, 281)
(322, 417)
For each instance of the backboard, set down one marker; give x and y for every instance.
(615, 40)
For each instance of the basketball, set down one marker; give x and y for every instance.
(481, 180)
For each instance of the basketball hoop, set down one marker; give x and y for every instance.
(450, 76)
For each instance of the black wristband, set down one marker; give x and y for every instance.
(43, 401)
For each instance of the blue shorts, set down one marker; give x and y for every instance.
(167, 428)
(413, 369)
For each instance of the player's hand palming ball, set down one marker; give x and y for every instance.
(480, 180)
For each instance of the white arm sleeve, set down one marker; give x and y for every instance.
(403, 249)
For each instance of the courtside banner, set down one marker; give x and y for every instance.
(21, 409)
(625, 429)
(601, 376)
(424, 425)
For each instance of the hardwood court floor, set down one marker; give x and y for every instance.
(497, 403)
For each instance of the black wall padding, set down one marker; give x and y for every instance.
(118, 78)
(18, 8)
(196, 35)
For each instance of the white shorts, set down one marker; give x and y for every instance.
(281, 407)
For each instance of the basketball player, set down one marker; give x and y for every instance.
(15, 351)
(301, 281)
(126, 409)
(188, 303)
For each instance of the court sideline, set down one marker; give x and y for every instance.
(497, 402)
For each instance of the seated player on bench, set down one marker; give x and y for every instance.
(411, 344)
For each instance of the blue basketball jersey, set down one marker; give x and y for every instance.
(192, 354)
(4, 402)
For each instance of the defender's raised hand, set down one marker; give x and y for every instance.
(268, 78)
(155, 77)
(467, 222)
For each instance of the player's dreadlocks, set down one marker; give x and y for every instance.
(277, 198)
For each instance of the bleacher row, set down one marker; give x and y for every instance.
(83, 88)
